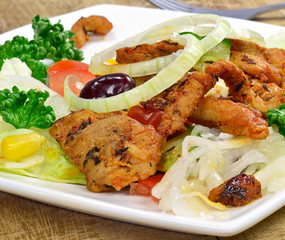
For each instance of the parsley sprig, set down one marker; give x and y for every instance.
(277, 116)
(50, 42)
(26, 109)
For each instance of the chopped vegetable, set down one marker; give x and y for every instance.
(277, 116)
(60, 70)
(145, 117)
(220, 51)
(50, 42)
(26, 109)
(17, 147)
(172, 151)
(143, 187)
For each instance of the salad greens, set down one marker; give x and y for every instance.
(50, 42)
(26, 109)
(221, 51)
(49, 163)
(277, 116)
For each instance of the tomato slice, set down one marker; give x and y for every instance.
(144, 187)
(60, 70)
(144, 116)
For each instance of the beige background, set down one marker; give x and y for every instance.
(25, 219)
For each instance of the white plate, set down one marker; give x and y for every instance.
(128, 21)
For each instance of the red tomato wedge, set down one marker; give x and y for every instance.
(145, 117)
(143, 187)
(60, 70)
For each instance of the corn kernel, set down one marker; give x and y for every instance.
(17, 147)
(111, 61)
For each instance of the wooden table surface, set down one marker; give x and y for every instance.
(21, 218)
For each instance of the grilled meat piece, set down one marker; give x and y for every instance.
(274, 56)
(113, 151)
(182, 100)
(237, 191)
(145, 52)
(65, 129)
(233, 118)
(260, 96)
(257, 67)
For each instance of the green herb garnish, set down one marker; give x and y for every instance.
(277, 116)
(50, 42)
(26, 109)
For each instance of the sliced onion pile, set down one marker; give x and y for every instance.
(169, 69)
(213, 158)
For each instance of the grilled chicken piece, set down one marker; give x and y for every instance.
(65, 129)
(257, 67)
(274, 56)
(233, 118)
(260, 96)
(113, 151)
(145, 52)
(182, 100)
(238, 191)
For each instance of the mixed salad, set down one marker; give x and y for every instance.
(36, 92)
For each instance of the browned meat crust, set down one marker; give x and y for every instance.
(274, 56)
(145, 52)
(65, 129)
(182, 100)
(96, 24)
(257, 67)
(233, 118)
(260, 96)
(113, 151)
(237, 191)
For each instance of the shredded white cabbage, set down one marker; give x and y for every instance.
(213, 158)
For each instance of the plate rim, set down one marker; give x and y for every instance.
(223, 228)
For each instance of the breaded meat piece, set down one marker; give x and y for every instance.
(233, 118)
(145, 52)
(237, 191)
(113, 151)
(258, 95)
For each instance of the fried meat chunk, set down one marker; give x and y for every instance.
(237, 191)
(233, 118)
(113, 151)
(98, 25)
(260, 96)
(257, 68)
(274, 56)
(182, 100)
(145, 51)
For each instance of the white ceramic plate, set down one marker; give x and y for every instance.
(128, 21)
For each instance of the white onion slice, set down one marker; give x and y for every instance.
(165, 29)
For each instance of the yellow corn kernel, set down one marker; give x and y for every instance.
(111, 61)
(17, 147)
